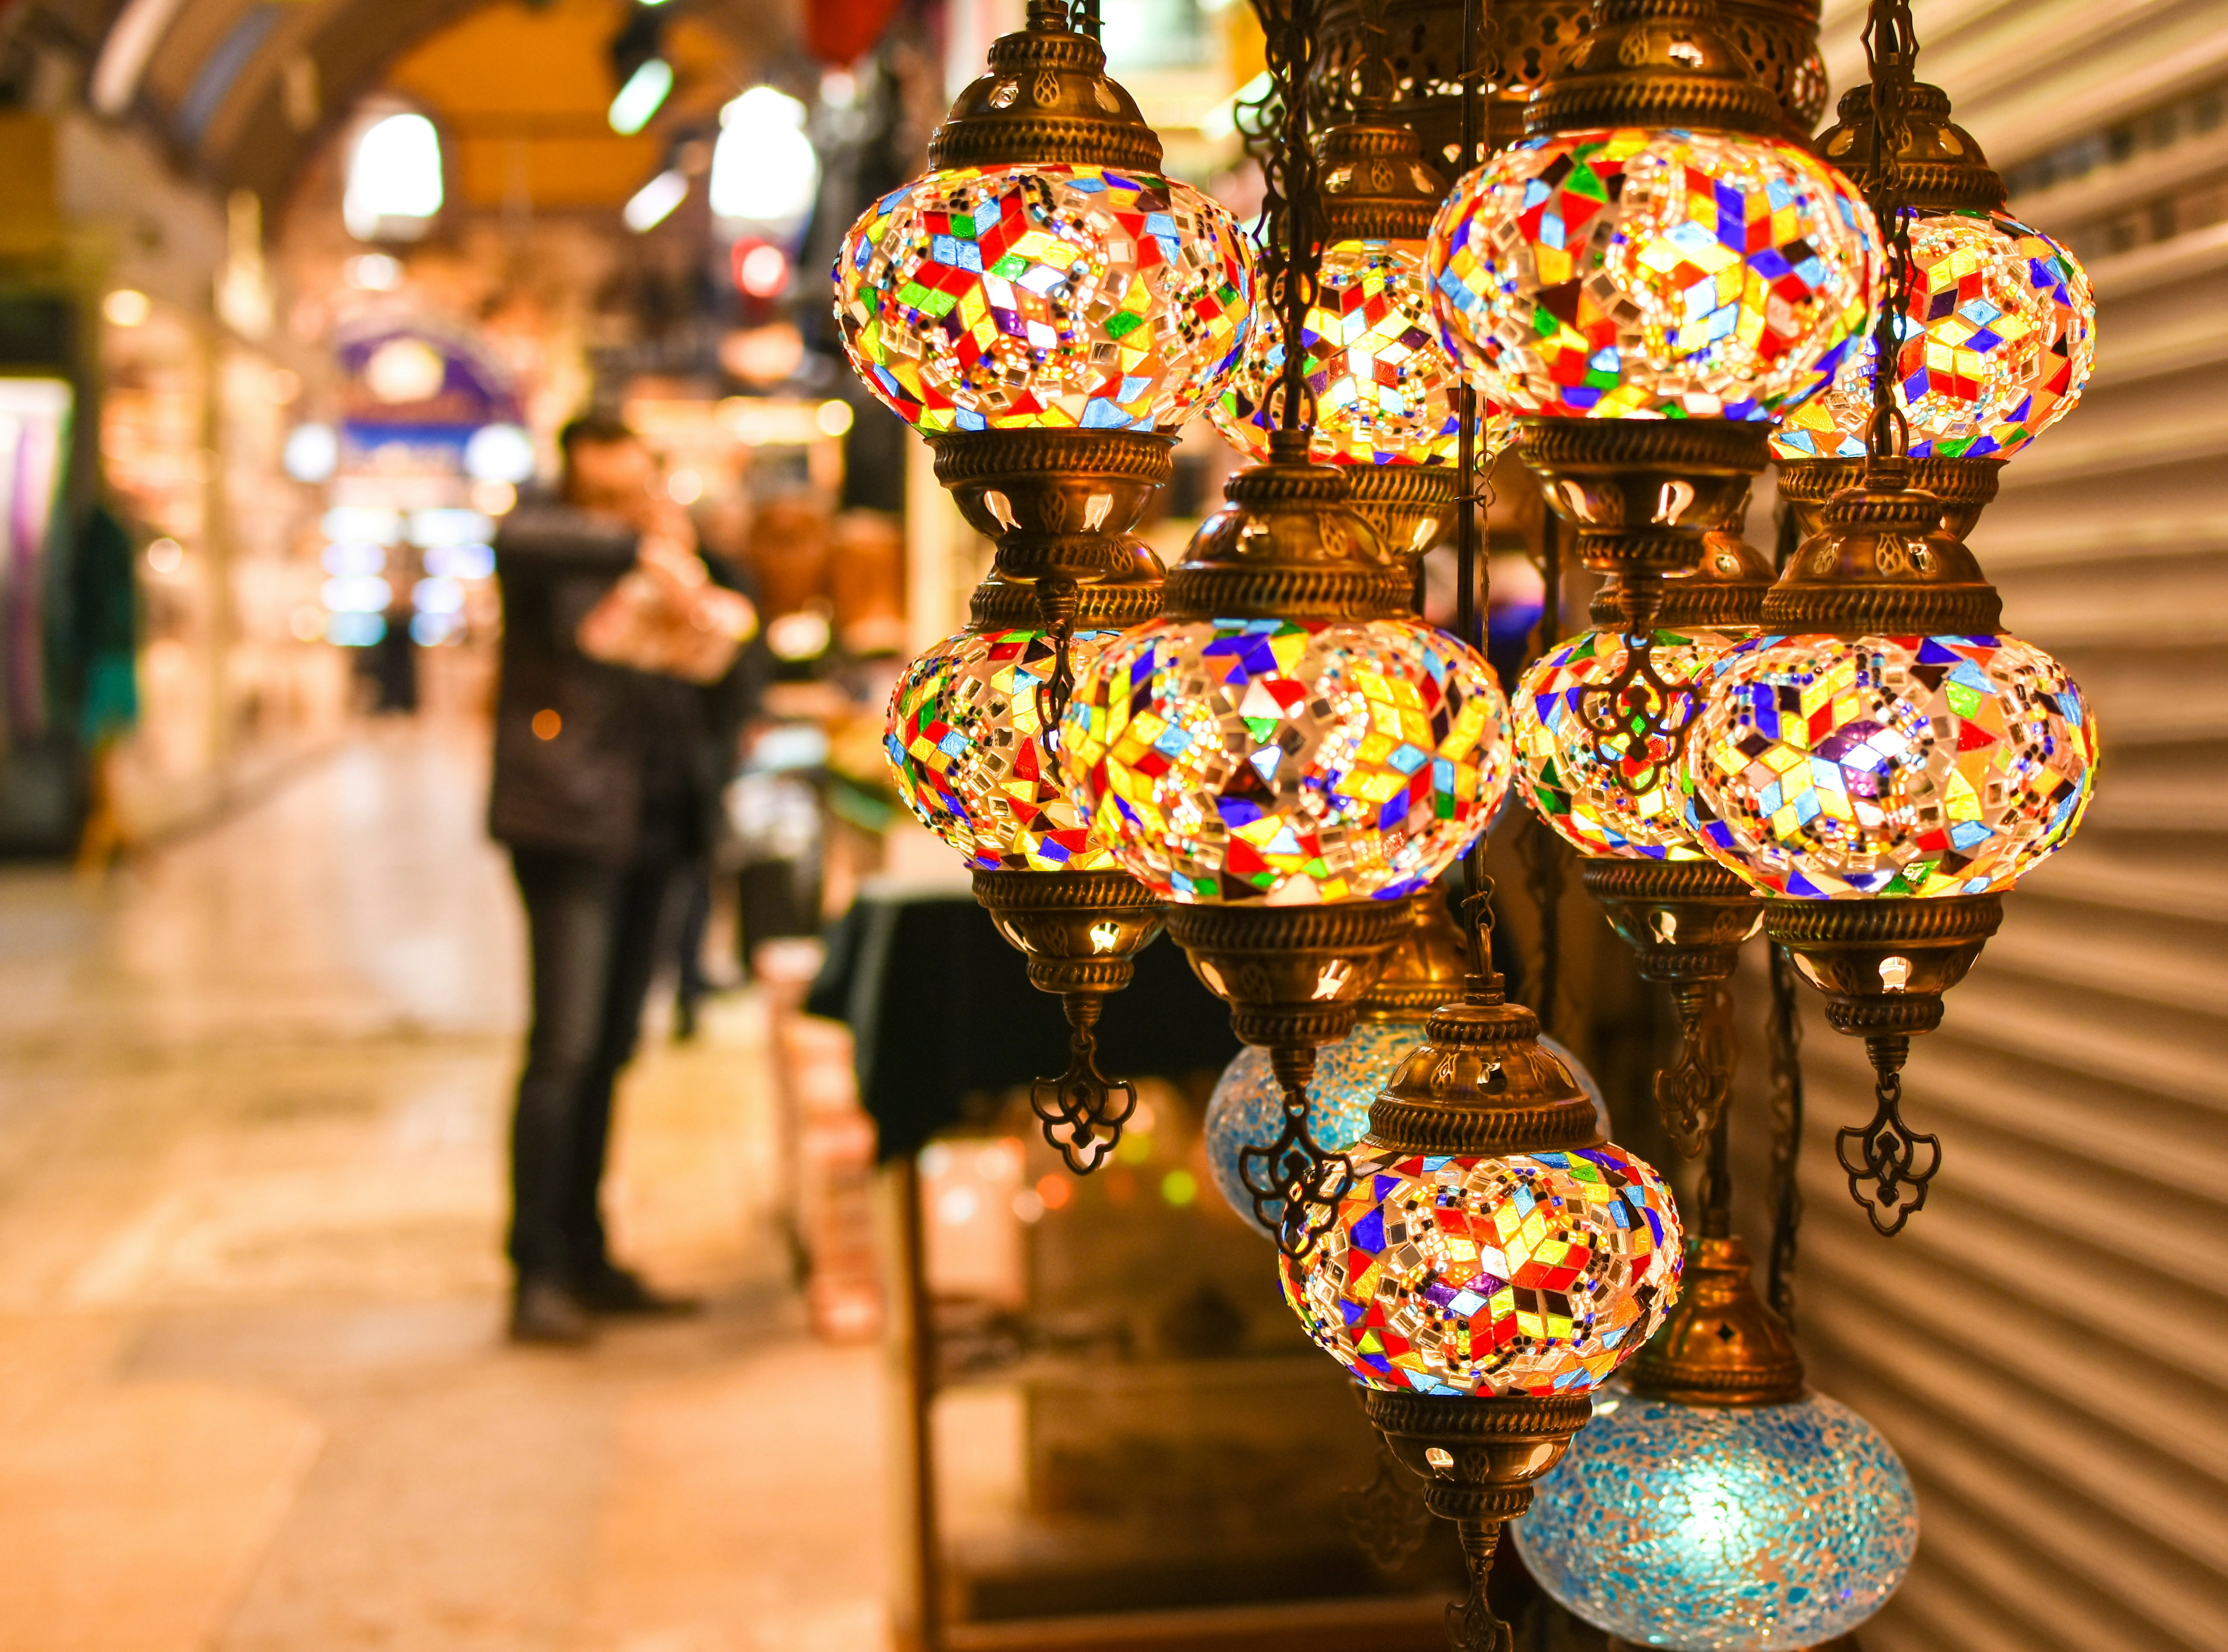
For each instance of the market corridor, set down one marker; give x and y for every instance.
(254, 1392)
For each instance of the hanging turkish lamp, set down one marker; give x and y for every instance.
(966, 741)
(1286, 755)
(1648, 280)
(1047, 310)
(1384, 383)
(1716, 1503)
(1995, 342)
(1245, 1111)
(1616, 796)
(1883, 762)
(1490, 1262)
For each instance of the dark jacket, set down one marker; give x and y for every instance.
(631, 763)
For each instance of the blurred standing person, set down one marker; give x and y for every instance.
(606, 780)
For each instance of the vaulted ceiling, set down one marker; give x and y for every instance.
(248, 90)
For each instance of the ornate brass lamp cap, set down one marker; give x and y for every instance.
(1965, 486)
(1656, 63)
(1377, 185)
(1939, 167)
(1287, 545)
(1885, 565)
(1721, 1345)
(1046, 99)
(1482, 1085)
(1426, 968)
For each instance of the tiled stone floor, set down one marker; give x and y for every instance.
(253, 1392)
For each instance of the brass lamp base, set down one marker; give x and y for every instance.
(1294, 977)
(1640, 493)
(1056, 503)
(1965, 487)
(1686, 920)
(1480, 1460)
(1081, 932)
(1884, 966)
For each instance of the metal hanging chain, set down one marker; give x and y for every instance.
(1784, 1043)
(1301, 265)
(1086, 15)
(1890, 1165)
(1892, 59)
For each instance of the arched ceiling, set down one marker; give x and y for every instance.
(248, 90)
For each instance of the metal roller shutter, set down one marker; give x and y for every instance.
(2047, 1340)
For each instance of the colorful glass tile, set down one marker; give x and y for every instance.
(964, 741)
(1536, 1273)
(1382, 381)
(1247, 1107)
(1576, 779)
(1044, 298)
(1653, 274)
(1287, 761)
(1995, 348)
(1888, 765)
(1754, 1529)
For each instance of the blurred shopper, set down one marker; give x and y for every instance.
(607, 775)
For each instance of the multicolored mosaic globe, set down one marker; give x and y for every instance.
(1536, 1273)
(1653, 274)
(965, 743)
(1247, 1107)
(1617, 794)
(1997, 345)
(1382, 381)
(1044, 298)
(1903, 766)
(1745, 1529)
(1286, 761)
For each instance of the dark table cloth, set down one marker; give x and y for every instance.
(940, 1006)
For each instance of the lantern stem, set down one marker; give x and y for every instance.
(1891, 56)
(1471, 1626)
(1692, 1092)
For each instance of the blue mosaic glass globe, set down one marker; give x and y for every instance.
(1734, 1530)
(1247, 1108)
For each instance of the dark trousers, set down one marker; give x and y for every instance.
(596, 933)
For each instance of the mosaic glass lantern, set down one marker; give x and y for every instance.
(1995, 341)
(1287, 761)
(1044, 296)
(1840, 768)
(1714, 1503)
(965, 743)
(1654, 274)
(1386, 393)
(1998, 341)
(1521, 1273)
(1383, 380)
